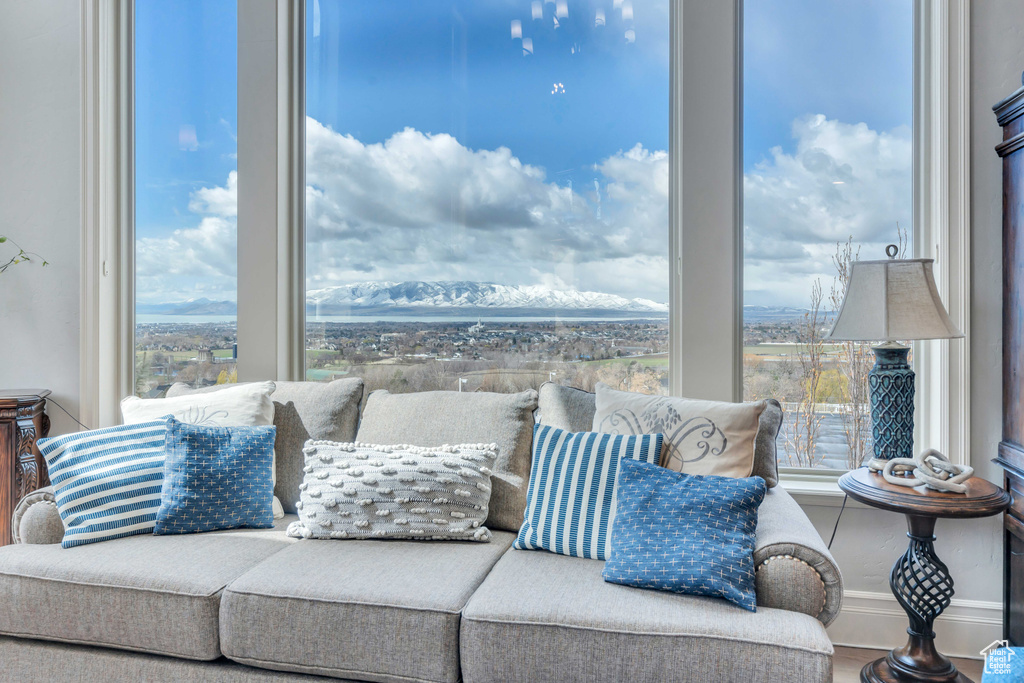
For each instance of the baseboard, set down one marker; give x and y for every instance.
(876, 620)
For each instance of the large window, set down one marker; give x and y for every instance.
(487, 193)
(185, 192)
(827, 178)
(486, 197)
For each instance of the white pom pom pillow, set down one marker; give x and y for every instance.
(356, 490)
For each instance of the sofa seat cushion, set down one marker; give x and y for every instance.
(157, 594)
(546, 617)
(30, 661)
(367, 610)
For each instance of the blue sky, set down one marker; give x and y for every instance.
(437, 149)
(848, 60)
(186, 66)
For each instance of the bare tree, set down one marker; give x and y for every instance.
(807, 421)
(856, 359)
(855, 363)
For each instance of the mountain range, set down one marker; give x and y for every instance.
(438, 298)
(201, 306)
(473, 298)
(461, 298)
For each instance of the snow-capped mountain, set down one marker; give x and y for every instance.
(201, 306)
(369, 298)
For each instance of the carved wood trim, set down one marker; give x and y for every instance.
(23, 422)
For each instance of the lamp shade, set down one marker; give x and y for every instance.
(892, 300)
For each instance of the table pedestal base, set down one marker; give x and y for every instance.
(879, 671)
(898, 667)
(922, 585)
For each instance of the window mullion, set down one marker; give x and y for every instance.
(107, 334)
(291, 274)
(270, 106)
(706, 200)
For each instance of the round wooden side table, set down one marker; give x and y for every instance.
(919, 580)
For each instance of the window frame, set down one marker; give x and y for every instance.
(706, 273)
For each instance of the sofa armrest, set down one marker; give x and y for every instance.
(793, 568)
(36, 519)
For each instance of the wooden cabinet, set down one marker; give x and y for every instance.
(23, 420)
(1010, 115)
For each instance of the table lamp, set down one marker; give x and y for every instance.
(891, 301)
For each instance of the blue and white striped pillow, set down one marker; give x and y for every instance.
(571, 498)
(107, 482)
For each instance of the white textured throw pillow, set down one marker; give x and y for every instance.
(245, 405)
(701, 437)
(356, 490)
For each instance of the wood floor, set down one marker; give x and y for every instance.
(848, 661)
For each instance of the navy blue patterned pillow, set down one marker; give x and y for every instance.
(216, 478)
(685, 533)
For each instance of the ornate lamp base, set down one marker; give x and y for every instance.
(891, 383)
(923, 586)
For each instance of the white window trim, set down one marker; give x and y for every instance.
(942, 216)
(705, 199)
(107, 337)
(271, 194)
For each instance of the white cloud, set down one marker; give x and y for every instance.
(423, 206)
(841, 180)
(194, 262)
(219, 201)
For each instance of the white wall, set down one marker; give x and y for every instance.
(39, 326)
(39, 198)
(869, 541)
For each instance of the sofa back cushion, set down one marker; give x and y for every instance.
(574, 410)
(303, 410)
(436, 418)
(566, 408)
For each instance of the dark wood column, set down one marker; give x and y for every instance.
(23, 420)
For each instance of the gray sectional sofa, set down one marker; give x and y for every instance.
(256, 605)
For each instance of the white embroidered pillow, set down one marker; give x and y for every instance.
(245, 405)
(701, 437)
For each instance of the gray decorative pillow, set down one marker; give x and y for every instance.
(357, 490)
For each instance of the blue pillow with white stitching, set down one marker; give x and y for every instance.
(216, 478)
(685, 533)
